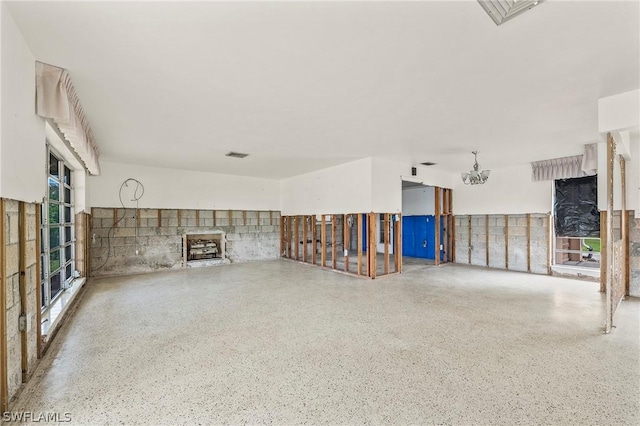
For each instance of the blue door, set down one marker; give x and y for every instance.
(418, 236)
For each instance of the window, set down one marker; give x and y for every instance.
(57, 232)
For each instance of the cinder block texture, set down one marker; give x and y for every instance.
(515, 243)
(141, 244)
(634, 257)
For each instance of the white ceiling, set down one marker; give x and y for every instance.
(305, 85)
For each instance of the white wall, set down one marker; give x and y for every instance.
(387, 183)
(418, 201)
(509, 190)
(341, 189)
(22, 143)
(172, 189)
(619, 112)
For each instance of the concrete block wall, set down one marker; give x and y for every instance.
(21, 253)
(506, 236)
(152, 240)
(634, 257)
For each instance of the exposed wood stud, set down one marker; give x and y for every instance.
(469, 246)
(160, 217)
(115, 218)
(453, 240)
(297, 236)
(215, 222)
(372, 250)
(305, 243)
(528, 242)
(314, 238)
(611, 149)
(22, 266)
(230, 217)
(4, 385)
(179, 217)
(271, 217)
(359, 243)
(385, 233)
(624, 222)
(398, 244)
(282, 225)
(437, 225)
(345, 239)
(38, 291)
(197, 217)
(486, 230)
(138, 218)
(323, 241)
(506, 241)
(334, 242)
(244, 217)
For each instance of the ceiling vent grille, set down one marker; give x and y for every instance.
(428, 163)
(236, 154)
(503, 10)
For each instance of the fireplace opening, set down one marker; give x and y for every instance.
(206, 248)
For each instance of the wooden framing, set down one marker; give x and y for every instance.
(115, 218)
(4, 385)
(304, 238)
(296, 234)
(39, 272)
(230, 217)
(604, 243)
(160, 217)
(270, 217)
(371, 240)
(437, 225)
(314, 238)
(22, 266)
(323, 241)
(528, 242)
(334, 242)
(197, 217)
(506, 241)
(469, 247)
(397, 244)
(244, 217)
(359, 244)
(386, 236)
(486, 238)
(609, 247)
(624, 222)
(346, 239)
(179, 217)
(282, 227)
(215, 220)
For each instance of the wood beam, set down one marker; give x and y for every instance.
(244, 217)
(314, 238)
(297, 236)
(22, 267)
(506, 241)
(624, 222)
(197, 218)
(486, 238)
(305, 244)
(346, 239)
(323, 241)
(38, 291)
(397, 244)
(528, 242)
(4, 384)
(386, 242)
(215, 222)
(611, 149)
(282, 225)
(469, 246)
(604, 242)
(372, 250)
(334, 242)
(160, 218)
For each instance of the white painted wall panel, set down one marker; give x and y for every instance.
(418, 201)
(341, 189)
(172, 188)
(509, 190)
(22, 147)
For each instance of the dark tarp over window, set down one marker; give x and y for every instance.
(576, 207)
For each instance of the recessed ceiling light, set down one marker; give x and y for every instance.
(503, 10)
(236, 154)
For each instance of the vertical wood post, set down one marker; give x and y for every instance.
(38, 291)
(611, 149)
(334, 242)
(528, 242)
(469, 246)
(4, 384)
(397, 244)
(486, 238)
(323, 242)
(297, 236)
(372, 251)
(283, 222)
(506, 241)
(305, 244)
(314, 238)
(22, 267)
(624, 222)
(386, 242)
(346, 240)
(604, 243)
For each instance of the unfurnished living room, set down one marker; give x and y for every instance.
(320, 212)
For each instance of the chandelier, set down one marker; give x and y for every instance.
(475, 176)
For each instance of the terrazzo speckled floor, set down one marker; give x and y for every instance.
(283, 343)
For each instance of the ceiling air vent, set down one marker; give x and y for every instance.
(236, 154)
(428, 163)
(503, 10)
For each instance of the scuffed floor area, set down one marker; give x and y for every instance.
(283, 343)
